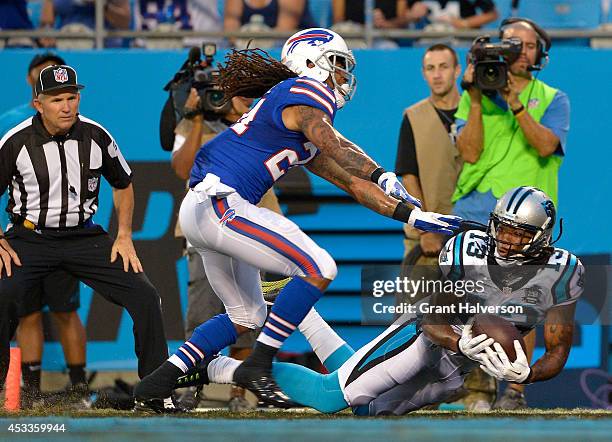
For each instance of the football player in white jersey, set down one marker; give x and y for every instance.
(419, 361)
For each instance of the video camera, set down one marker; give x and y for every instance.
(491, 61)
(204, 77)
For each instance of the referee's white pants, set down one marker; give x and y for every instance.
(236, 239)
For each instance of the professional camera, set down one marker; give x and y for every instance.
(204, 77)
(491, 61)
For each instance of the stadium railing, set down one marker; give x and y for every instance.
(563, 19)
(556, 34)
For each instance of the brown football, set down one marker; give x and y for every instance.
(498, 328)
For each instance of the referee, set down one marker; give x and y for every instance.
(51, 164)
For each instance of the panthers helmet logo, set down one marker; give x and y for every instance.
(549, 208)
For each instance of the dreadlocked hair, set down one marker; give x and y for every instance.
(251, 73)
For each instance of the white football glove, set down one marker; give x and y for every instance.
(473, 348)
(499, 366)
(393, 187)
(434, 222)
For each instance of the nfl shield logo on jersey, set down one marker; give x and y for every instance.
(92, 184)
(61, 75)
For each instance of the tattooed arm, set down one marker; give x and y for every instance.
(317, 127)
(347, 166)
(364, 191)
(558, 333)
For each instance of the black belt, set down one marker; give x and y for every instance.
(20, 221)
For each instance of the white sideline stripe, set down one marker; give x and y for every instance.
(319, 87)
(196, 349)
(311, 94)
(282, 321)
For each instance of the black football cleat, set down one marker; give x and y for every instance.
(154, 391)
(197, 376)
(260, 382)
(160, 406)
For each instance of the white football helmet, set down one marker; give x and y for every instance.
(328, 53)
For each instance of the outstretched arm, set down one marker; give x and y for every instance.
(317, 127)
(364, 191)
(371, 196)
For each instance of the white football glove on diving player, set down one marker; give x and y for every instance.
(393, 187)
(434, 222)
(473, 347)
(499, 366)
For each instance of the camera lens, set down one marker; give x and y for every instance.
(491, 74)
(216, 97)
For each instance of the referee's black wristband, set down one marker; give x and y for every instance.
(376, 174)
(402, 212)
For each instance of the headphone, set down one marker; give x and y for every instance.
(543, 45)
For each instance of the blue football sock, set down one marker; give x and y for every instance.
(339, 357)
(319, 391)
(208, 338)
(291, 306)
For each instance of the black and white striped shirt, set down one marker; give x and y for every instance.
(53, 181)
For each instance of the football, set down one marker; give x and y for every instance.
(498, 328)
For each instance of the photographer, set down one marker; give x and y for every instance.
(191, 132)
(509, 137)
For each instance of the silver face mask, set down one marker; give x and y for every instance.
(344, 92)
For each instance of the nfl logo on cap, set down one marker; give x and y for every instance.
(61, 75)
(56, 77)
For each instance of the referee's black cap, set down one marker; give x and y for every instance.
(45, 57)
(56, 77)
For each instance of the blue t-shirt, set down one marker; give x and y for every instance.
(14, 15)
(70, 11)
(9, 120)
(13, 117)
(258, 149)
(556, 117)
